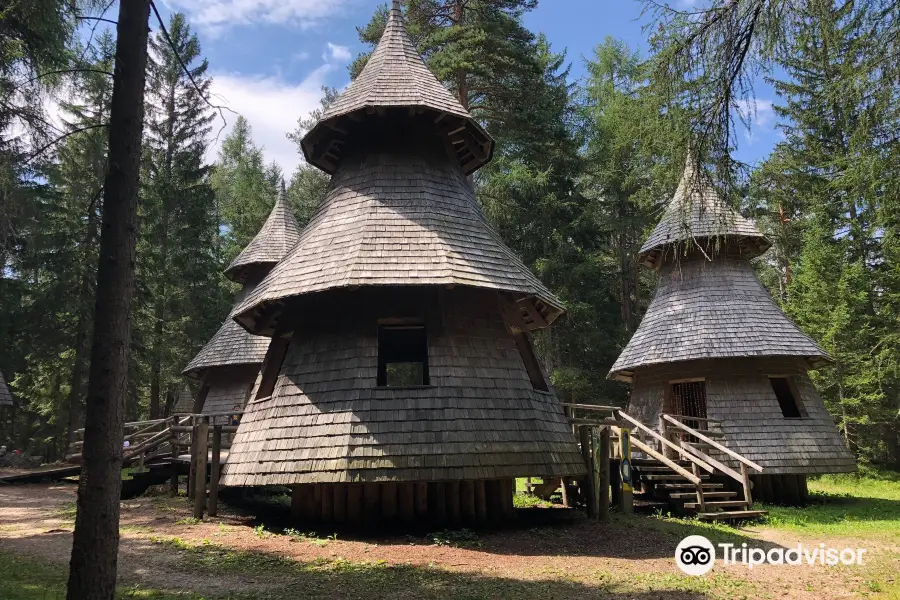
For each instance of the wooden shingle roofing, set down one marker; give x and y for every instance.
(6, 398)
(232, 344)
(696, 214)
(275, 239)
(395, 76)
(712, 309)
(404, 216)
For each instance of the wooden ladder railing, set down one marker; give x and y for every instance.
(696, 462)
(672, 428)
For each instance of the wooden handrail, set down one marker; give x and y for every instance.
(713, 443)
(591, 407)
(706, 467)
(721, 466)
(677, 468)
(694, 418)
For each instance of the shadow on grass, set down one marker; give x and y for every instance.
(534, 532)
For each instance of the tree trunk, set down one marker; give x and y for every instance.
(95, 544)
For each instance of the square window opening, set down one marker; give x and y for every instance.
(535, 374)
(787, 399)
(402, 356)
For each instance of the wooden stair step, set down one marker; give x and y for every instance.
(706, 494)
(717, 504)
(732, 515)
(671, 476)
(689, 486)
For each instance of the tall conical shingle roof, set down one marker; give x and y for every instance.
(279, 234)
(399, 210)
(697, 213)
(232, 344)
(709, 304)
(6, 398)
(395, 76)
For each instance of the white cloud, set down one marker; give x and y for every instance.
(272, 106)
(216, 16)
(337, 53)
(760, 115)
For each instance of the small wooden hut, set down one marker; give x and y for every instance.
(6, 398)
(713, 345)
(228, 365)
(401, 380)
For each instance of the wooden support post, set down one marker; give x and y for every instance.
(528, 485)
(565, 492)
(467, 500)
(804, 489)
(595, 472)
(584, 435)
(339, 497)
(421, 499)
(509, 490)
(481, 505)
(747, 484)
(407, 501)
(627, 504)
(663, 431)
(214, 471)
(174, 482)
(603, 459)
(493, 492)
(327, 502)
(454, 512)
(355, 503)
(437, 500)
(202, 434)
(313, 509)
(389, 508)
(371, 502)
(192, 470)
(791, 490)
(298, 501)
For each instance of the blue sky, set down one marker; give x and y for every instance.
(269, 58)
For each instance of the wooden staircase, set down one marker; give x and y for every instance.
(689, 469)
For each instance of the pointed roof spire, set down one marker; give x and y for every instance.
(697, 212)
(395, 76)
(6, 398)
(278, 235)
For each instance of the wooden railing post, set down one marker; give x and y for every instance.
(627, 496)
(748, 497)
(584, 436)
(214, 471)
(201, 433)
(603, 458)
(665, 435)
(701, 501)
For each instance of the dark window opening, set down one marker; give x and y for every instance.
(402, 356)
(531, 362)
(272, 367)
(689, 400)
(790, 407)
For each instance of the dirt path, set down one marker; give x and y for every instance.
(36, 520)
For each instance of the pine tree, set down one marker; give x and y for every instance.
(823, 190)
(177, 257)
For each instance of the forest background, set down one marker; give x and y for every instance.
(581, 172)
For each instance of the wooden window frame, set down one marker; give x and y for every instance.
(401, 324)
(530, 360)
(795, 396)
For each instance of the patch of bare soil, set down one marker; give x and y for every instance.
(36, 520)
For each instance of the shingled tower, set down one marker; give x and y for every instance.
(714, 345)
(229, 364)
(401, 380)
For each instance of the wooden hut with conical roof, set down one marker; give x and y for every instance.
(401, 380)
(713, 346)
(229, 364)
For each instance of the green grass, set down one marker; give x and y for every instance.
(23, 578)
(865, 505)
